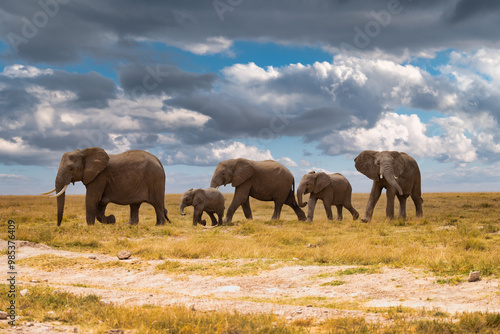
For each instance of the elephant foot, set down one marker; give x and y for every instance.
(132, 223)
(160, 224)
(365, 220)
(309, 220)
(355, 216)
(109, 220)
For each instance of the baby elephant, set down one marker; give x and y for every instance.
(209, 200)
(332, 189)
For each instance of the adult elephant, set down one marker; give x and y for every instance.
(128, 178)
(263, 180)
(332, 189)
(398, 173)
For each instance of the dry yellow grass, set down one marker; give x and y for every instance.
(459, 232)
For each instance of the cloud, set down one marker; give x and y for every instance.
(406, 133)
(98, 30)
(213, 153)
(138, 80)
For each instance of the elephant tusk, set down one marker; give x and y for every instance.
(61, 192)
(396, 177)
(381, 176)
(49, 192)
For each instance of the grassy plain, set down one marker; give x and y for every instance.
(459, 232)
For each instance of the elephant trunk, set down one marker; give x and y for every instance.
(300, 191)
(182, 209)
(388, 174)
(60, 200)
(215, 183)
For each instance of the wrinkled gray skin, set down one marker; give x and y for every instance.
(129, 178)
(208, 200)
(332, 189)
(263, 180)
(395, 171)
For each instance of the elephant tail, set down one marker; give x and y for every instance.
(166, 215)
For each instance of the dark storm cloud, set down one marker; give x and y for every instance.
(115, 29)
(15, 102)
(92, 90)
(138, 79)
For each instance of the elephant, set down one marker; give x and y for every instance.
(398, 173)
(263, 180)
(332, 189)
(209, 200)
(128, 178)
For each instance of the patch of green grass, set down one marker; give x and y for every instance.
(355, 271)
(451, 281)
(50, 262)
(217, 268)
(333, 283)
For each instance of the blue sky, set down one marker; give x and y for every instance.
(195, 84)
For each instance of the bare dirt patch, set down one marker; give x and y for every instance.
(289, 290)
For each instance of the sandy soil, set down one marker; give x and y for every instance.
(413, 288)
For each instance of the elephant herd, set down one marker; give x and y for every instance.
(134, 177)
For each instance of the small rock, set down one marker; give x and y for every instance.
(312, 246)
(289, 317)
(123, 255)
(24, 292)
(474, 276)
(30, 324)
(3, 315)
(310, 305)
(34, 281)
(93, 257)
(75, 330)
(57, 292)
(51, 313)
(192, 307)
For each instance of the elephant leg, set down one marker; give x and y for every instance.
(372, 200)
(246, 209)
(101, 215)
(339, 212)
(291, 202)
(402, 206)
(328, 209)
(417, 199)
(161, 212)
(389, 211)
(311, 205)
(352, 210)
(212, 217)
(198, 212)
(277, 210)
(91, 204)
(134, 214)
(240, 196)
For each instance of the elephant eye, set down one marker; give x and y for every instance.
(71, 169)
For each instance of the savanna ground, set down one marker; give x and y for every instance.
(257, 276)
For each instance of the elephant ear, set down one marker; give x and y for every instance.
(322, 181)
(365, 164)
(399, 163)
(95, 159)
(199, 197)
(243, 170)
